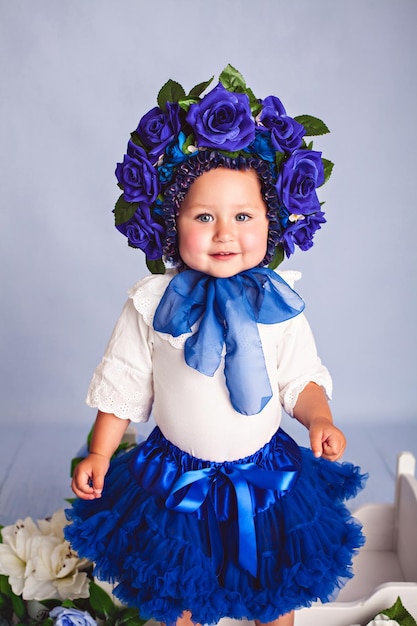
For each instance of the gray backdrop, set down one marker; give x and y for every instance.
(76, 77)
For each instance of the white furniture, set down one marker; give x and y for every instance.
(386, 566)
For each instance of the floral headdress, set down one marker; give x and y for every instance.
(186, 135)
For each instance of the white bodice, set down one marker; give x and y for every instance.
(143, 370)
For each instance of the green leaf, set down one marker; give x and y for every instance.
(5, 585)
(255, 104)
(129, 617)
(185, 103)
(278, 257)
(170, 92)
(123, 210)
(101, 603)
(6, 609)
(18, 606)
(328, 168)
(312, 125)
(279, 158)
(232, 79)
(232, 154)
(135, 139)
(155, 267)
(189, 141)
(196, 91)
(400, 614)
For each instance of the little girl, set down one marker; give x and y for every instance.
(219, 512)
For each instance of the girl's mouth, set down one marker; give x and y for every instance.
(223, 255)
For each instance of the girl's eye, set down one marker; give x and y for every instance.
(242, 217)
(204, 217)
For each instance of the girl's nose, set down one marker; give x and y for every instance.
(223, 231)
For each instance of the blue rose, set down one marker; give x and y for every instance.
(173, 156)
(298, 179)
(174, 153)
(137, 176)
(262, 146)
(222, 120)
(301, 232)
(286, 133)
(158, 128)
(143, 232)
(71, 617)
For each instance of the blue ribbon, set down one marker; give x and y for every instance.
(192, 488)
(229, 310)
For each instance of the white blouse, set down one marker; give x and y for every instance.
(143, 370)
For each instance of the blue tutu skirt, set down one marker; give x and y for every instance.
(254, 538)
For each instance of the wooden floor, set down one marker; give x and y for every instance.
(35, 462)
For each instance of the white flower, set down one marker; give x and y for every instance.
(36, 610)
(54, 571)
(54, 525)
(382, 620)
(40, 563)
(295, 218)
(15, 552)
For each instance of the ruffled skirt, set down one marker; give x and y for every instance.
(255, 538)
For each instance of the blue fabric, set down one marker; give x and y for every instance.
(219, 491)
(229, 310)
(165, 560)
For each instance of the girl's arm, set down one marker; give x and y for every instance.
(313, 411)
(88, 478)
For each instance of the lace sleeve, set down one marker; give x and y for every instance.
(299, 364)
(122, 382)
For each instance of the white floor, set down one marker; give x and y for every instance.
(35, 462)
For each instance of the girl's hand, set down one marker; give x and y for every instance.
(326, 440)
(88, 479)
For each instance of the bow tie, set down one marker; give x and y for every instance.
(229, 310)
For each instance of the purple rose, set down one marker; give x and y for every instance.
(71, 617)
(143, 232)
(137, 176)
(158, 128)
(300, 233)
(286, 133)
(222, 120)
(297, 182)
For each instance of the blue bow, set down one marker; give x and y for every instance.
(229, 310)
(191, 489)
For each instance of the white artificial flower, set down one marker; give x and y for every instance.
(54, 571)
(15, 552)
(40, 563)
(37, 611)
(295, 218)
(382, 620)
(54, 525)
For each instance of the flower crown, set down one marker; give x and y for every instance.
(186, 135)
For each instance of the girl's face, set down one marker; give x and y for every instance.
(222, 224)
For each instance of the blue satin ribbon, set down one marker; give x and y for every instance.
(192, 488)
(229, 310)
